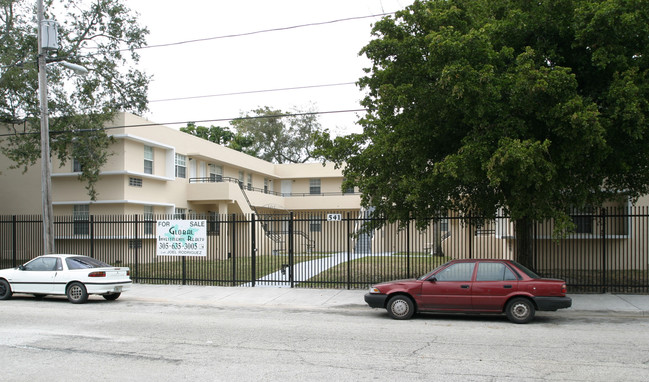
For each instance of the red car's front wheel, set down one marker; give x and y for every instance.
(400, 307)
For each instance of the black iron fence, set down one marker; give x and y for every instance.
(607, 252)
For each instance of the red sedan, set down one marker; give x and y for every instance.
(472, 286)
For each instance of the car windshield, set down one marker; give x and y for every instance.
(83, 262)
(527, 271)
(424, 277)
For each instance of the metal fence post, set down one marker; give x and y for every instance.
(291, 276)
(233, 251)
(14, 247)
(604, 254)
(92, 235)
(408, 272)
(136, 248)
(253, 254)
(349, 252)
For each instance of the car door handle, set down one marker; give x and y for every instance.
(507, 287)
(464, 286)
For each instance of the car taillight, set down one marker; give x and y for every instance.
(564, 289)
(128, 273)
(97, 274)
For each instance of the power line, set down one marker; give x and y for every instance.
(243, 34)
(198, 121)
(253, 92)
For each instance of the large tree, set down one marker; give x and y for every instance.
(533, 107)
(277, 136)
(102, 36)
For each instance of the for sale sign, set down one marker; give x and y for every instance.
(181, 238)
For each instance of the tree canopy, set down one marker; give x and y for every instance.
(269, 134)
(100, 35)
(533, 107)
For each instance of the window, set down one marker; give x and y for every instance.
(181, 166)
(81, 217)
(148, 160)
(44, 264)
(583, 220)
(213, 227)
(149, 222)
(241, 179)
(135, 182)
(315, 224)
(249, 181)
(76, 165)
(456, 272)
(314, 186)
(84, 263)
(494, 272)
(216, 172)
(181, 213)
(134, 244)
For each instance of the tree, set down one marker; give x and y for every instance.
(102, 36)
(221, 135)
(277, 136)
(532, 107)
(216, 134)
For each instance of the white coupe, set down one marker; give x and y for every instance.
(73, 276)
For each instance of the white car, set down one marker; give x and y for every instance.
(74, 276)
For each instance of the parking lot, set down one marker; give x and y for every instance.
(170, 338)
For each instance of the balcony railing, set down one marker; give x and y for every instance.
(220, 179)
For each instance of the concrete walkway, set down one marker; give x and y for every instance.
(302, 298)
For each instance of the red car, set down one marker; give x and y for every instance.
(472, 286)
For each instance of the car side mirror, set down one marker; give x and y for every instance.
(432, 279)
(21, 267)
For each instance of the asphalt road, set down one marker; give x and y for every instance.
(53, 340)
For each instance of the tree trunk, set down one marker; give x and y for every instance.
(525, 242)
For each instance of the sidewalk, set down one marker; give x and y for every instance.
(300, 298)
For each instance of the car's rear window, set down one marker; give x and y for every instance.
(82, 262)
(528, 272)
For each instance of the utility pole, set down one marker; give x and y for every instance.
(46, 162)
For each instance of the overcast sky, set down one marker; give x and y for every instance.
(324, 54)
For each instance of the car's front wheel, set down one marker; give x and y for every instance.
(520, 310)
(401, 307)
(112, 296)
(5, 290)
(77, 293)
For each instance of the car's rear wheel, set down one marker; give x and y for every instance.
(5, 290)
(77, 293)
(400, 307)
(112, 296)
(520, 310)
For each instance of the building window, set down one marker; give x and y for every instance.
(181, 166)
(149, 223)
(181, 213)
(148, 160)
(314, 186)
(249, 182)
(133, 244)
(81, 217)
(213, 226)
(315, 224)
(76, 165)
(241, 179)
(134, 182)
(583, 220)
(216, 173)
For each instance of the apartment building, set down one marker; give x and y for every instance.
(157, 170)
